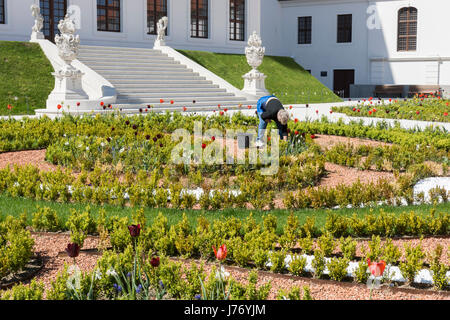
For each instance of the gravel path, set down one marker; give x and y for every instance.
(49, 246)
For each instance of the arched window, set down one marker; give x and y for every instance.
(407, 29)
(156, 9)
(2, 11)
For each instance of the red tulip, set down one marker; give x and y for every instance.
(295, 120)
(370, 112)
(317, 111)
(9, 106)
(354, 109)
(376, 268)
(78, 104)
(358, 110)
(249, 107)
(331, 111)
(59, 106)
(445, 114)
(221, 113)
(184, 108)
(73, 250)
(225, 109)
(213, 138)
(135, 230)
(218, 106)
(290, 107)
(220, 254)
(161, 100)
(417, 112)
(154, 262)
(102, 103)
(313, 136)
(203, 145)
(296, 133)
(171, 102)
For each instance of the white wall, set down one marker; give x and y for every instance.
(134, 24)
(373, 52)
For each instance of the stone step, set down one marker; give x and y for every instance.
(161, 82)
(118, 49)
(171, 90)
(172, 95)
(172, 68)
(136, 77)
(164, 86)
(118, 55)
(133, 62)
(184, 101)
(144, 73)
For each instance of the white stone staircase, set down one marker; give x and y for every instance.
(145, 76)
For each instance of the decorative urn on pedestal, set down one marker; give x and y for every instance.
(68, 85)
(254, 80)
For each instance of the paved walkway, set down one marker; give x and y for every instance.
(316, 111)
(302, 113)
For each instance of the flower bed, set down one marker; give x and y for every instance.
(423, 107)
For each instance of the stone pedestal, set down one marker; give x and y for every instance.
(35, 36)
(254, 83)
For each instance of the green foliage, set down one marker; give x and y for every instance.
(327, 243)
(297, 265)
(414, 257)
(318, 264)
(277, 260)
(438, 269)
(33, 291)
(348, 247)
(80, 225)
(338, 268)
(46, 219)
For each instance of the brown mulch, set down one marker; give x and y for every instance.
(50, 246)
(338, 174)
(29, 157)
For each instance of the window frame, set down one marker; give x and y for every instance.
(233, 23)
(3, 7)
(156, 15)
(307, 31)
(107, 7)
(408, 22)
(197, 20)
(347, 28)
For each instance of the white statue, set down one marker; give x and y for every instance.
(161, 27)
(68, 84)
(38, 23)
(254, 80)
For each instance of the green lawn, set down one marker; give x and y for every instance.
(285, 78)
(25, 73)
(17, 206)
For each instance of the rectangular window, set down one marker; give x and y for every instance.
(199, 18)
(344, 28)
(237, 20)
(407, 29)
(108, 15)
(156, 9)
(304, 30)
(2, 12)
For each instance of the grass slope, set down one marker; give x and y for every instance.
(25, 73)
(17, 206)
(285, 78)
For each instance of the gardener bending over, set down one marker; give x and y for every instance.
(270, 108)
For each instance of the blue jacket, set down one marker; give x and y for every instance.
(262, 103)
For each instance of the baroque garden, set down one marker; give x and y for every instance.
(106, 194)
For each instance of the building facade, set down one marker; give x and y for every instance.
(339, 41)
